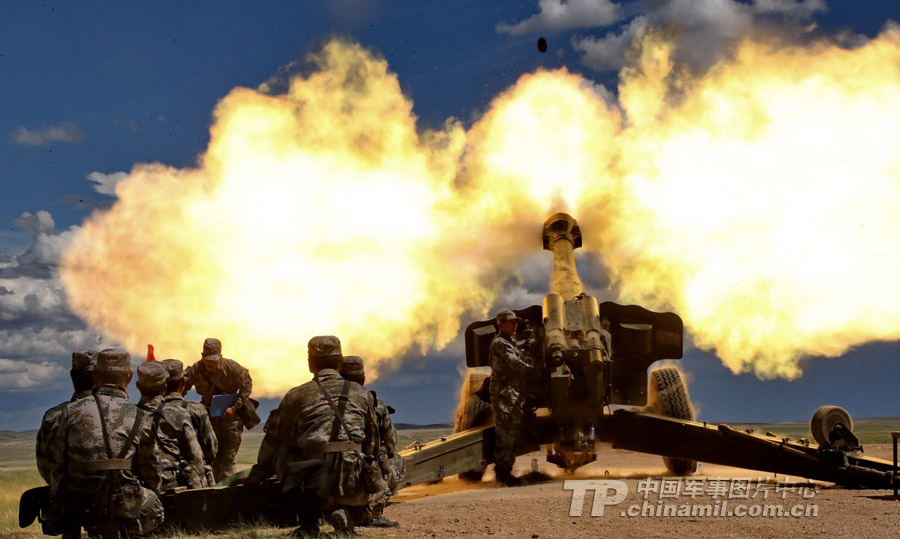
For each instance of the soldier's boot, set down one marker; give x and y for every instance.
(309, 525)
(382, 522)
(505, 476)
(340, 519)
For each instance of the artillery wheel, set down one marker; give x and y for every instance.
(824, 420)
(472, 412)
(668, 396)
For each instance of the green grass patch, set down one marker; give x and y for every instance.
(12, 485)
(868, 430)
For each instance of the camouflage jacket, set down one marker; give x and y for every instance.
(181, 459)
(202, 426)
(45, 434)
(229, 377)
(508, 368)
(386, 430)
(304, 424)
(78, 437)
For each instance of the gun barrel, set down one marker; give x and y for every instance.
(562, 236)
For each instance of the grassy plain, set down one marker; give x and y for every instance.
(18, 471)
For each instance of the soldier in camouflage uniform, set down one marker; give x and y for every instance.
(321, 442)
(181, 459)
(107, 459)
(215, 375)
(393, 467)
(508, 368)
(82, 374)
(196, 412)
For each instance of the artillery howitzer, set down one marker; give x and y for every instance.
(588, 356)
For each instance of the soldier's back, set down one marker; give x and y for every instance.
(389, 436)
(179, 450)
(199, 417)
(313, 418)
(84, 432)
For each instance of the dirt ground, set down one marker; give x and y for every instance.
(454, 508)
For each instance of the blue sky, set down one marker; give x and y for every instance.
(96, 87)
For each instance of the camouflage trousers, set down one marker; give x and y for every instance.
(112, 528)
(362, 515)
(393, 470)
(507, 406)
(229, 432)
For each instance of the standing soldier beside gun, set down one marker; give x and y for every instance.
(215, 375)
(102, 450)
(392, 465)
(508, 368)
(196, 412)
(321, 442)
(181, 459)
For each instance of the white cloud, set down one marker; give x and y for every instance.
(607, 53)
(46, 134)
(601, 91)
(556, 15)
(38, 332)
(796, 8)
(42, 221)
(106, 183)
(26, 375)
(706, 30)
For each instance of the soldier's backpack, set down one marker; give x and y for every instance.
(370, 471)
(100, 489)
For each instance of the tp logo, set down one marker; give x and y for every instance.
(602, 497)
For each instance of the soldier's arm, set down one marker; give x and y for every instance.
(208, 439)
(389, 435)
(188, 379)
(372, 441)
(246, 387)
(512, 356)
(46, 463)
(54, 452)
(147, 462)
(193, 456)
(265, 459)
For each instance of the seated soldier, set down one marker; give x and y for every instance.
(104, 452)
(181, 459)
(392, 465)
(82, 374)
(197, 413)
(321, 441)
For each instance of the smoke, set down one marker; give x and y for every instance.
(756, 201)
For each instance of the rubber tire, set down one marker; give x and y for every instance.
(824, 419)
(667, 395)
(472, 412)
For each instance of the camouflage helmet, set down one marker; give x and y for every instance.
(324, 346)
(506, 315)
(84, 360)
(152, 374)
(113, 360)
(353, 366)
(212, 349)
(175, 368)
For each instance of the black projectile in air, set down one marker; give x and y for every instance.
(542, 45)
